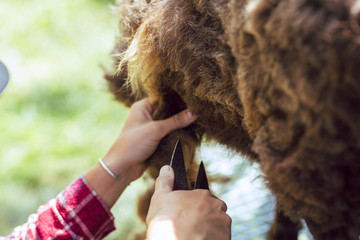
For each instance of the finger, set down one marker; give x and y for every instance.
(165, 181)
(224, 207)
(143, 106)
(179, 120)
(147, 105)
(221, 204)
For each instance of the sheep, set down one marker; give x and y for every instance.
(274, 80)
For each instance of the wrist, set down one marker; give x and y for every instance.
(103, 165)
(120, 169)
(106, 186)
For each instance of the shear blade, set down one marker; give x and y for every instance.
(178, 165)
(201, 178)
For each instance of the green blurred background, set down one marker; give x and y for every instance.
(56, 116)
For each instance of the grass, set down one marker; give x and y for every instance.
(56, 116)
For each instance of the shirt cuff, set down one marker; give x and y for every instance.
(86, 213)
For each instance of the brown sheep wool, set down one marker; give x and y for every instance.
(275, 80)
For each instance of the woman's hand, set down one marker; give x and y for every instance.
(140, 137)
(183, 215)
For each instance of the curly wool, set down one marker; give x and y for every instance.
(276, 81)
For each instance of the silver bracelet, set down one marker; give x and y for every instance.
(107, 169)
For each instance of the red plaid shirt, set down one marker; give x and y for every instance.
(76, 213)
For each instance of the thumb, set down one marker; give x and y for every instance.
(179, 120)
(165, 181)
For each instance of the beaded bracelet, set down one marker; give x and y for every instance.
(107, 169)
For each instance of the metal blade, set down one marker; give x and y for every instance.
(201, 179)
(178, 164)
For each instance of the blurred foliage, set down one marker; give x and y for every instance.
(56, 116)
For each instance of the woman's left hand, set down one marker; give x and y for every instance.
(140, 137)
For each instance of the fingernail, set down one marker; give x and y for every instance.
(189, 115)
(165, 169)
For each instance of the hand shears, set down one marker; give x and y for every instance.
(178, 165)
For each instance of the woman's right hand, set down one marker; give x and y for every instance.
(184, 215)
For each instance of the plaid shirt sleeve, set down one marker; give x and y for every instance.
(76, 213)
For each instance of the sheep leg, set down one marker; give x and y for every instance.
(283, 228)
